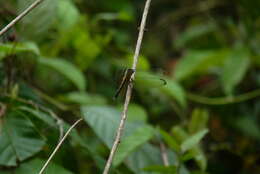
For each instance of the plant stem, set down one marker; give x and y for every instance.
(223, 100)
(129, 91)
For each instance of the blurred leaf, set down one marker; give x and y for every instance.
(136, 113)
(34, 166)
(39, 20)
(193, 32)
(40, 115)
(200, 158)
(234, 69)
(19, 140)
(143, 63)
(193, 140)
(174, 90)
(132, 142)
(67, 69)
(86, 47)
(83, 98)
(126, 62)
(161, 169)
(8, 49)
(197, 154)
(105, 121)
(68, 15)
(248, 126)
(179, 133)
(199, 119)
(146, 155)
(199, 61)
(171, 142)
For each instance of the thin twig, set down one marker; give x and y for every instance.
(58, 146)
(19, 17)
(129, 91)
(164, 154)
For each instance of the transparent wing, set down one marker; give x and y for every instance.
(148, 79)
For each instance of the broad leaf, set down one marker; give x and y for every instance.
(145, 156)
(174, 90)
(84, 98)
(161, 169)
(199, 119)
(234, 69)
(249, 126)
(8, 49)
(193, 32)
(19, 140)
(132, 142)
(67, 15)
(40, 115)
(136, 113)
(199, 61)
(39, 20)
(67, 69)
(171, 142)
(105, 121)
(193, 140)
(34, 166)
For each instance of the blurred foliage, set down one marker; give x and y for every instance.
(63, 60)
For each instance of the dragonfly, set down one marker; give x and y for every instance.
(142, 78)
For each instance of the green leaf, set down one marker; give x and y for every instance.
(105, 121)
(199, 120)
(132, 142)
(7, 49)
(39, 20)
(194, 32)
(174, 90)
(248, 126)
(198, 155)
(84, 99)
(161, 169)
(235, 69)
(136, 113)
(18, 138)
(171, 142)
(146, 155)
(67, 69)
(40, 115)
(199, 61)
(179, 133)
(68, 15)
(193, 140)
(34, 166)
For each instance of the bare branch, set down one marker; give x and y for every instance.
(129, 91)
(164, 154)
(19, 17)
(58, 146)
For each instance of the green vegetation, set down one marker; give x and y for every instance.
(62, 62)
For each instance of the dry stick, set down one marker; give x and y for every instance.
(164, 154)
(129, 91)
(19, 17)
(58, 146)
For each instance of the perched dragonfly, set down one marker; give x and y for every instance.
(125, 81)
(144, 79)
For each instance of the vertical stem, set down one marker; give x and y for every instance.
(129, 91)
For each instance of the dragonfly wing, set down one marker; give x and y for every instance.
(148, 79)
